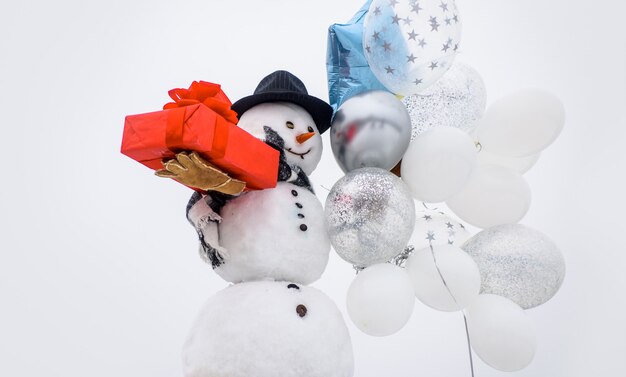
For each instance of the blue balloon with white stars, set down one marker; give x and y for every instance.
(410, 44)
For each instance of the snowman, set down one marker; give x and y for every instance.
(270, 243)
(277, 233)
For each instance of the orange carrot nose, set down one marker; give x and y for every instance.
(304, 137)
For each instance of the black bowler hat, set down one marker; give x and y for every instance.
(282, 86)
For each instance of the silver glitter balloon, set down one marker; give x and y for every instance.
(370, 216)
(371, 129)
(518, 263)
(458, 99)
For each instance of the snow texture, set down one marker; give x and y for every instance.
(275, 234)
(268, 329)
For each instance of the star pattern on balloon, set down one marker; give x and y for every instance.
(416, 8)
(432, 21)
(422, 32)
(434, 24)
(434, 227)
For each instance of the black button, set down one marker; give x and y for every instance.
(294, 193)
(298, 205)
(301, 216)
(303, 227)
(301, 310)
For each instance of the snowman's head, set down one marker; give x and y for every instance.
(301, 140)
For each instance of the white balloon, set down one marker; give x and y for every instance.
(432, 226)
(519, 164)
(380, 299)
(460, 272)
(485, 157)
(438, 163)
(501, 333)
(522, 124)
(494, 195)
(408, 45)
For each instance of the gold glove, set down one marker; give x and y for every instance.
(193, 171)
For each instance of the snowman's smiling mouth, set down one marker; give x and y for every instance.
(299, 154)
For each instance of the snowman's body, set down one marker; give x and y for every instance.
(274, 234)
(268, 329)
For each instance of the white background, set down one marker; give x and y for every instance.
(99, 274)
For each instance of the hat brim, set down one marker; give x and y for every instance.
(320, 111)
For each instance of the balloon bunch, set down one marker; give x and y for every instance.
(430, 128)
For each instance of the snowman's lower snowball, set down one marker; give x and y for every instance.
(268, 329)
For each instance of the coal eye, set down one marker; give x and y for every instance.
(310, 129)
(293, 286)
(289, 125)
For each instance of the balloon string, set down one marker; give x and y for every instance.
(469, 344)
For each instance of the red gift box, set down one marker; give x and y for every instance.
(200, 120)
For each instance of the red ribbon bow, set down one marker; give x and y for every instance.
(209, 94)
